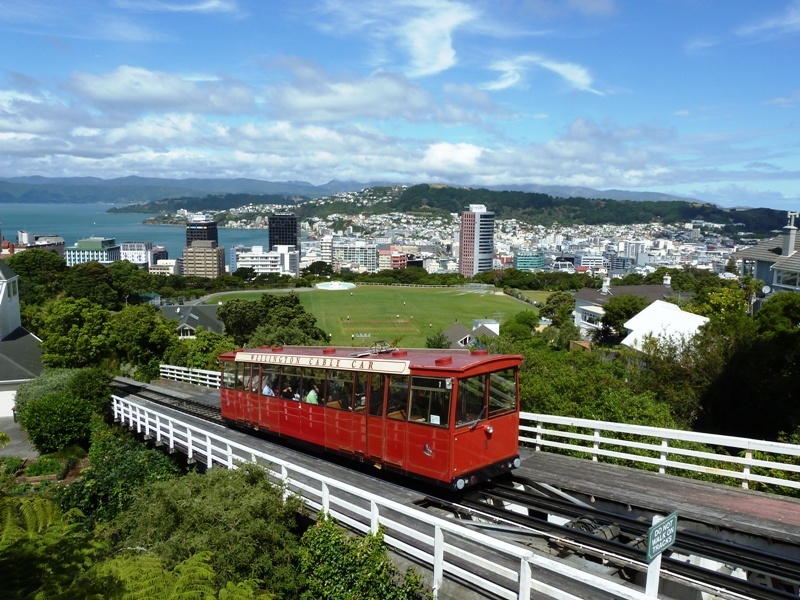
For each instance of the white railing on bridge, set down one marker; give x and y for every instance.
(721, 455)
(202, 377)
(640, 445)
(446, 547)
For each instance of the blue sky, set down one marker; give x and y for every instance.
(699, 98)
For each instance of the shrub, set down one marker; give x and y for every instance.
(44, 466)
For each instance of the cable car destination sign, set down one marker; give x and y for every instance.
(661, 536)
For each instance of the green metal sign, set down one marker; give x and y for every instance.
(661, 536)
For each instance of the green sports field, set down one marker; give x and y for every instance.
(407, 315)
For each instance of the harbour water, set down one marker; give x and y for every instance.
(74, 222)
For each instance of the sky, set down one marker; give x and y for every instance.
(698, 98)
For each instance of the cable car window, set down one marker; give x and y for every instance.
(291, 383)
(314, 382)
(269, 380)
(360, 392)
(471, 400)
(251, 377)
(397, 400)
(229, 374)
(502, 392)
(340, 390)
(239, 380)
(376, 395)
(430, 400)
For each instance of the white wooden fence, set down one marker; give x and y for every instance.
(202, 377)
(724, 456)
(446, 547)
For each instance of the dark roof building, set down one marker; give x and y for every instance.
(191, 317)
(775, 261)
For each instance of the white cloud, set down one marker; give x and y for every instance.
(513, 72)
(423, 29)
(202, 6)
(789, 101)
(448, 157)
(786, 24)
(131, 87)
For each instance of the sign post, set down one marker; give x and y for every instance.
(659, 537)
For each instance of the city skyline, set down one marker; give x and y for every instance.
(698, 99)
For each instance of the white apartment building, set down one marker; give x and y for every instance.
(100, 249)
(172, 266)
(284, 260)
(355, 254)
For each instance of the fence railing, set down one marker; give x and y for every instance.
(196, 376)
(502, 568)
(743, 459)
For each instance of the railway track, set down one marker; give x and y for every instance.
(179, 403)
(618, 543)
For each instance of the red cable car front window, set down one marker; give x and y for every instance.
(471, 400)
(502, 392)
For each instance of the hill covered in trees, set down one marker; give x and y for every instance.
(541, 209)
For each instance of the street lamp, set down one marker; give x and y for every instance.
(126, 301)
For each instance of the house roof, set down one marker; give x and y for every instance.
(456, 333)
(20, 356)
(648, 292)
(6, 272)
(483, 330)
(194, 316)
(770, 250)
(662, 320)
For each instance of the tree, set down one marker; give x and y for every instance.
(245, 274)
(39, 272)
(129, 280)
(93, 282)
(616, 312)
(437, 340)
(57, 411)
(319, 268)
(120, 467)
(781, 313)
(75, 333)
(235, 514)
(241, 318)
(343, 568)
(558, 308)
(140, 337)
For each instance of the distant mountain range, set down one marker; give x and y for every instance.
(136, 190)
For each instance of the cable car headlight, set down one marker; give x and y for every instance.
(460, 483)
(517, 463)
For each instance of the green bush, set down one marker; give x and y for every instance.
(55, 408)
(44, 466)
(11, 464)
(119, 466)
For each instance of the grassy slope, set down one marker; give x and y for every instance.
(374, 310)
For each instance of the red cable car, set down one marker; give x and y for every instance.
(451, 416)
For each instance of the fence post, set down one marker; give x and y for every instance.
(524, 579)
(209, 452)
(539, 426)
(748, 456)
(326, 499)
(596, 445)
(438, 560)
(662, 468)
(374, 521)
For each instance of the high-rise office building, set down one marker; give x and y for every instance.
(476, 241)
(204, 259)
(284, 230)
(201, 228)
